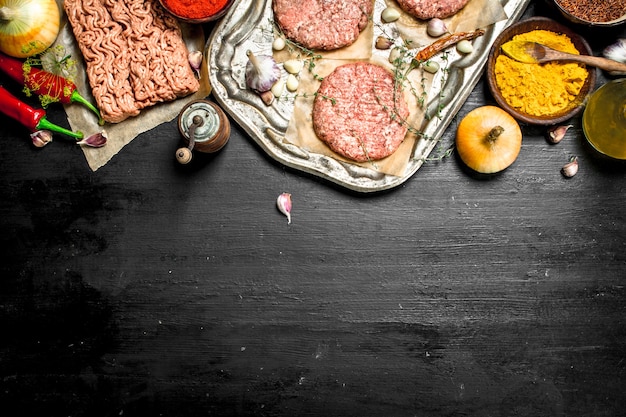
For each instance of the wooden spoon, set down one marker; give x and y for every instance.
(536, 53)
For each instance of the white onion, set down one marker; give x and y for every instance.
(28, 27)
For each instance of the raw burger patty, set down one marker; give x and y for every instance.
(322, 24)
(427, 9)
(352, 112)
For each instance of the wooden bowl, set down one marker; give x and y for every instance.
(528, 25)
(578, 19)
(196, 19)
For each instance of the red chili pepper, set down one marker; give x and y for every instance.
(44, 83)
(34, 119)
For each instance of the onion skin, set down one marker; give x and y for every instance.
(28, 27)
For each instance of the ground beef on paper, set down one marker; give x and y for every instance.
(428, 9)
(355, 115)
(322, 24)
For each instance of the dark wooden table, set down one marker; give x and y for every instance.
(151, 289)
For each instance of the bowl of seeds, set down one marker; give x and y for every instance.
(593, 12)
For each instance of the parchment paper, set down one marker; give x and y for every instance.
(120, 134)
(300, 132)
(476, 14)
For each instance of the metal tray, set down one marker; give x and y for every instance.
(247, 25)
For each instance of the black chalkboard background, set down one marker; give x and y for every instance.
(147, 288)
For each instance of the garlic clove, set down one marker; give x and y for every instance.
(261, 72)
(292, 83)
(431, 66)
(97, 140)
(396, 57)
(195, 61)
(390, 14)
(571, 168)
(283, 202)
(557, 133)
(41, 138)
(383, 43)
(436, 27)
(278, 88)
(279, 44)
(465, 47)
(293, 66)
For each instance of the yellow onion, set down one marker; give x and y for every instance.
(28, 27)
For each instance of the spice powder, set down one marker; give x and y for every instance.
(194, 9)
(540, 89)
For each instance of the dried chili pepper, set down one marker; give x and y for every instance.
(44, 83)
(32, 118)
(445, 42)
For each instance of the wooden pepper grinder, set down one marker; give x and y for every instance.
(204, 128)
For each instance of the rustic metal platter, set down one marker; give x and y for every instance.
(247, 25)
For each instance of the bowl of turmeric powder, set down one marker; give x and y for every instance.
(202, 11)
(541, 94)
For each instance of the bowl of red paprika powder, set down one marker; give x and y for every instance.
(197, 11)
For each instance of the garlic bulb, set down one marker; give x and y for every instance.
(616, 51)
(261, 72)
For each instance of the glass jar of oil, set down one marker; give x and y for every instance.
(604, 119)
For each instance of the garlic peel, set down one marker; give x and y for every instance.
(284, 205)
(262, 72)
